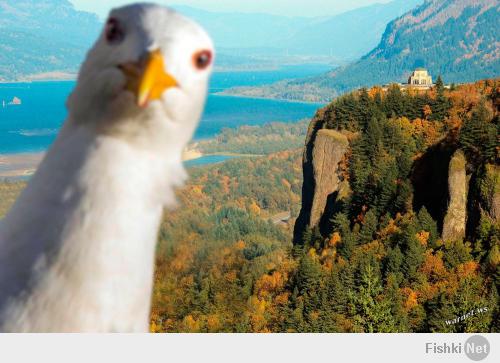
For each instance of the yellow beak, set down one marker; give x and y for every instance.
(148, 79)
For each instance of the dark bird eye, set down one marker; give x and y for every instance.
(114, 31)
(202, 59)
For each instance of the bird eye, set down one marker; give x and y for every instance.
(114, 31)
(202, 59)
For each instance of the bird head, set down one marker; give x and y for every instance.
(148, 71)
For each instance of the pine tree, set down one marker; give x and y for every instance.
(349, 241)
(426, 223)
(374, 313)
(309, 278)
(442, 104)
(413, 251)
(478, 137)
(369, 227)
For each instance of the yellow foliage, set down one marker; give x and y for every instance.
(390, 229)
(410, 298)
(334, 240)
(254, 208)
(433, 267)
(312, 253)
(270, 283)
(231, 276)
(240, 245)
(190, 324)
(213, 323)
(423, 237)
(467, 269)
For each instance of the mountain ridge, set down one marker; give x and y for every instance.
(33, 43)
(455, 39)
(47, 36)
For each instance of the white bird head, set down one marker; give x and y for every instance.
(147, 76)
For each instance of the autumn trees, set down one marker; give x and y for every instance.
(383, 268)
(402, 276)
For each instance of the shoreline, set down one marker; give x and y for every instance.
(24, 164)
(223, 93)
(20, 165)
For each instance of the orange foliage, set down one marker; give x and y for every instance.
(423, 237)
(268, 284)
(334, 240)
(427, 111)
(254, 208)
(213, 323)
(410, 297)
(190, 324)
(389, 230)
(433, 267)
(467, 269)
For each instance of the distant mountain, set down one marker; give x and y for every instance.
(43, 36)
(457, 39)
(348, 35)
(343, 37)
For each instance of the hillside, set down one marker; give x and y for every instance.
(43, 36)
(452, 38)
(379, 258)
(401, 191)
(343, 37)
(382, 253)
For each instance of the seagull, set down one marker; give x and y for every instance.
(77, 248)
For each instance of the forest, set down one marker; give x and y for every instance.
(224, 264)
(383, 267)
(256, 140)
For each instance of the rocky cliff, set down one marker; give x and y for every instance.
(324, 185)
(490, 190)
(392, 166)
(329, 149)
(454, 223)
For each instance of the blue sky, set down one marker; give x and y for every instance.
(283, 7)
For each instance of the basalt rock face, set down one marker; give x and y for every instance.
(490, 192)
(323, 184)
(329, 150)
(454, 224)
(430, 180)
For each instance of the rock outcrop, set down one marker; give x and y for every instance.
(330, 148)
(429, 177)
(490, 192)
(454, 224)
(323, 184)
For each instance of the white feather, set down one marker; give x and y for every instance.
(77, 249)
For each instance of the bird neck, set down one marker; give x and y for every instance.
(89, 220)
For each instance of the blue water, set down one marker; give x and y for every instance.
(208, 159)
(33, 126)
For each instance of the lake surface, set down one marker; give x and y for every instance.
(33, 126)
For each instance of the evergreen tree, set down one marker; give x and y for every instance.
(373, 311)
(426, 223)
(309, 278)
(413, 251)
(369, 227)
(479, 137)
(348, 238)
